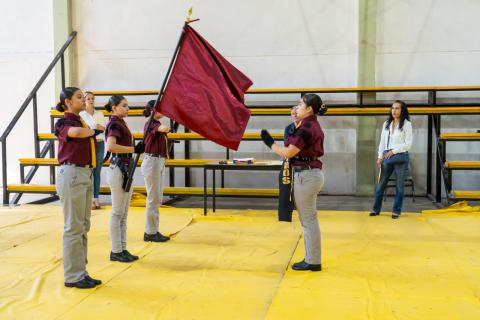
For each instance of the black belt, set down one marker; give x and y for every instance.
(305, 159)
(120, 159)
(67, 163)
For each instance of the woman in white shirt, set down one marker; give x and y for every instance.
(395, 142)
(93, 118)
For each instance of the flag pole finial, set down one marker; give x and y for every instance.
(189, 16)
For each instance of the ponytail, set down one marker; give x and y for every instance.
(60, 107)
(148, 108)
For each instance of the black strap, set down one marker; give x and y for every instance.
(388, 141)
(107, 156)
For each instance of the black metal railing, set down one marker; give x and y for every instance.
(441, 172)
(32, 97)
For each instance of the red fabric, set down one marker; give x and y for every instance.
(206, 93)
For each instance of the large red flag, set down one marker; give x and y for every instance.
(205, 92)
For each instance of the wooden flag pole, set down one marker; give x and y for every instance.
(127, 184)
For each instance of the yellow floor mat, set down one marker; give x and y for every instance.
(212, 266)
(233, 265)
(420, 266)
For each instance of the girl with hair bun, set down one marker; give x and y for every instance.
(120, 144)
(76, 156)
(153, 171)
(303, 147)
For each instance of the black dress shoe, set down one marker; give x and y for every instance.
(120, 257)
(395, 216)
(82, 284)
(96, 281)
(129, 255)
(373, 214)
(158, 237)
(302, 266)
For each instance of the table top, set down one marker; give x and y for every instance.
(256, 165)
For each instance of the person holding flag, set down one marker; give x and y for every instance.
(76, 156)
(304, 148)
(153, 171)
(120, 144)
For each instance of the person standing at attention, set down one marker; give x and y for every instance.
(304, 148)
(76, 156)
(153, 171)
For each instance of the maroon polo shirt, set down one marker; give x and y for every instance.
(155, 142)
(117, 128)
(73, 150)
(308, 137)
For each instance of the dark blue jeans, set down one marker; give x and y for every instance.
(100, 153)
(399, 165)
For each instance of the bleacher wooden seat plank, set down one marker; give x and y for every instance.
(178, 136)
(306, 90)
(465, 195)
(470, 165)
(192, 191)
(339, 111)
(168, 163)
(131, 112)
(460, 136)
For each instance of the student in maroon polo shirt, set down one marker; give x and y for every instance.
(120, 144)
(76, 156)
(153, 170)
(304, 148)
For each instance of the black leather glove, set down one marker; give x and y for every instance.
(140, 147)
(97, 132)
(267, 138)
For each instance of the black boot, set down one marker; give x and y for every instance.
(120, 257)
(302, 266)
(158, 237)
(373, 214)
(96, 281)
(129, 255)
(82, 284)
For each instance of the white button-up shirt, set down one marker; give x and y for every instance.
(400, 139)
(97, 118)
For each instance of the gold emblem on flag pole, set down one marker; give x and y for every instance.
(189, 16)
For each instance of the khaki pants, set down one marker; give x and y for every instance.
(153, 170)
(307, 185)
(120, 205)
(74, 187)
